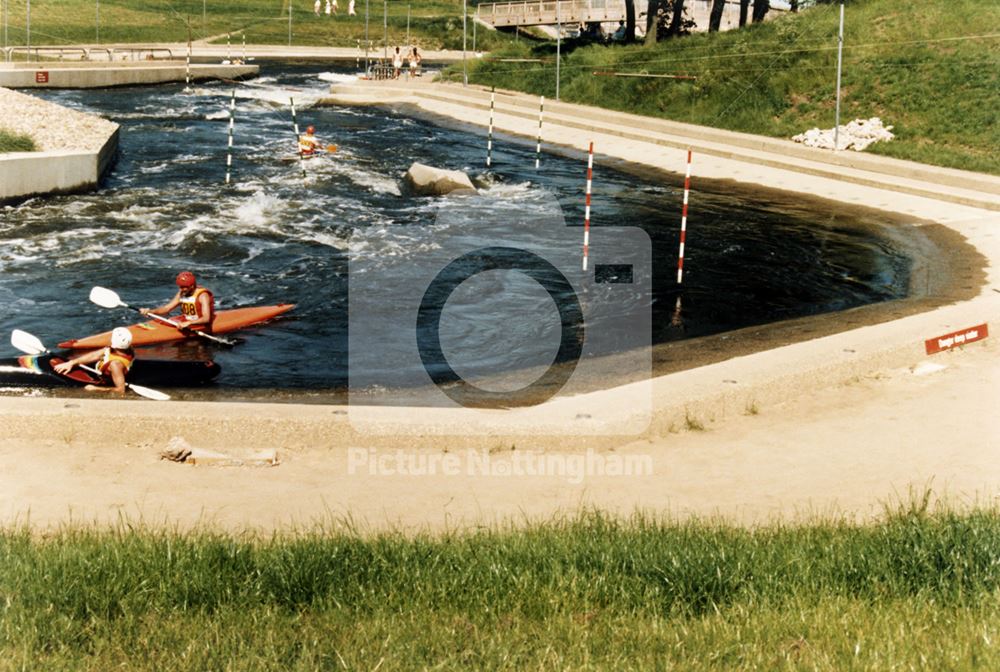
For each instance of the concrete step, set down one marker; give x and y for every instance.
(957, 186)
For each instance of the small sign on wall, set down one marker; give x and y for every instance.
(41, 77)
(956, 338)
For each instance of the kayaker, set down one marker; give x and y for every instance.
(308, 144)
(197, 304)
(113, 363)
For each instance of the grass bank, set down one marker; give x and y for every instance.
(433, 24)
(15, 142)
(917, 590)
(930, 69)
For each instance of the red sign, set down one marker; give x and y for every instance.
(956, 338)
(42, 77)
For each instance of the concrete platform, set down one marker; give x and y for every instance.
(92, 75)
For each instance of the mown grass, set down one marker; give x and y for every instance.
(15, 142)
(434, 24)
(917, 590)
(918, 66)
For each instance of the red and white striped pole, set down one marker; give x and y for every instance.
(586, 212)
(538, 147)
(684, 220)
(489, 140)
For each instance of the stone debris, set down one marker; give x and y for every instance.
(179, 450)
(427, 180)
(52, 127)
(857, 135)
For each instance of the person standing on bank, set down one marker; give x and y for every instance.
(197, 305)
(113, 363)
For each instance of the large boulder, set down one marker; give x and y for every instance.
(430, 181)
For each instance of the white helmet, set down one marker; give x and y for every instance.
(121, 338)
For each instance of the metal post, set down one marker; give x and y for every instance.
(465, 68)
(385, 29)
(4, 24)
(203, 12)
(289, 23)
(840, 51)
(473, 34)
(97, 23)
(295, 127)
(558, 47)
(229, 153)
(367, 41)
(408, 25)
(27, 39)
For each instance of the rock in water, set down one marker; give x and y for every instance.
(430, 181)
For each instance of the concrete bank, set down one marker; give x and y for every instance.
(90, 75)
(801, 364)
(76, 149)
(642, 140)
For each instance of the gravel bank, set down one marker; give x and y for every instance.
(52, 126)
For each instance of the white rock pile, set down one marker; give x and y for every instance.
(856, 135)
(52, 127)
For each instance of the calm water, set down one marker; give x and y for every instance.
(274, 237)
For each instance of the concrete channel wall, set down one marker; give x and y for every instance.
(27, 174)
(86, 75)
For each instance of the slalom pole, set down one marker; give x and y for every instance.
(228, 57)
(232, 123)
(244, 48)
(538, 147)
(489, 137)
(586, 212)
(187, 73)
(684, 219)
(295, 127)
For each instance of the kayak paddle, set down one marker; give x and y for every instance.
(30, 344)
(107, 298)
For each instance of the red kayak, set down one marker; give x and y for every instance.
(150, 333)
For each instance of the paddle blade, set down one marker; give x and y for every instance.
(331, 148)
(148, 393)
(25, 342)
(105, 298)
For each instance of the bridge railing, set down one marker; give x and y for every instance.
(546, 12)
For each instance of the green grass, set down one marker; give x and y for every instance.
(15, 142)
(434, 24)
(916, 591)
(778, 78)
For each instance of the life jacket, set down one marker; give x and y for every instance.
(308, 143)
(191, 308)
(125, 357)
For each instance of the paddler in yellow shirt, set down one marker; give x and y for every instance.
(308, 144)
(112, 363)
(197, 305)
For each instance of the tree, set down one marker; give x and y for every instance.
(630, 20)
(760, 8)
(744, 5)
(652, 9)
(715, 18)
(677, 19)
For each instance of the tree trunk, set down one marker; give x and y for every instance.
(630, 20)
(795, 5)
(744, 5)
(760, 8)
(652, 7)
(676, 18)
(715, 18)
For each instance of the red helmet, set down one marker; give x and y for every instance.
(311, 130)
(185, 279)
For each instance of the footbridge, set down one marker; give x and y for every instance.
(540, 13)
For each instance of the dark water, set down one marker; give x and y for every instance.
(275, 237)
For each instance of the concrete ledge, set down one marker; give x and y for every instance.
(91, 76)
(27, 174)
(957, 186)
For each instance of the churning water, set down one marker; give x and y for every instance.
(274, 236)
